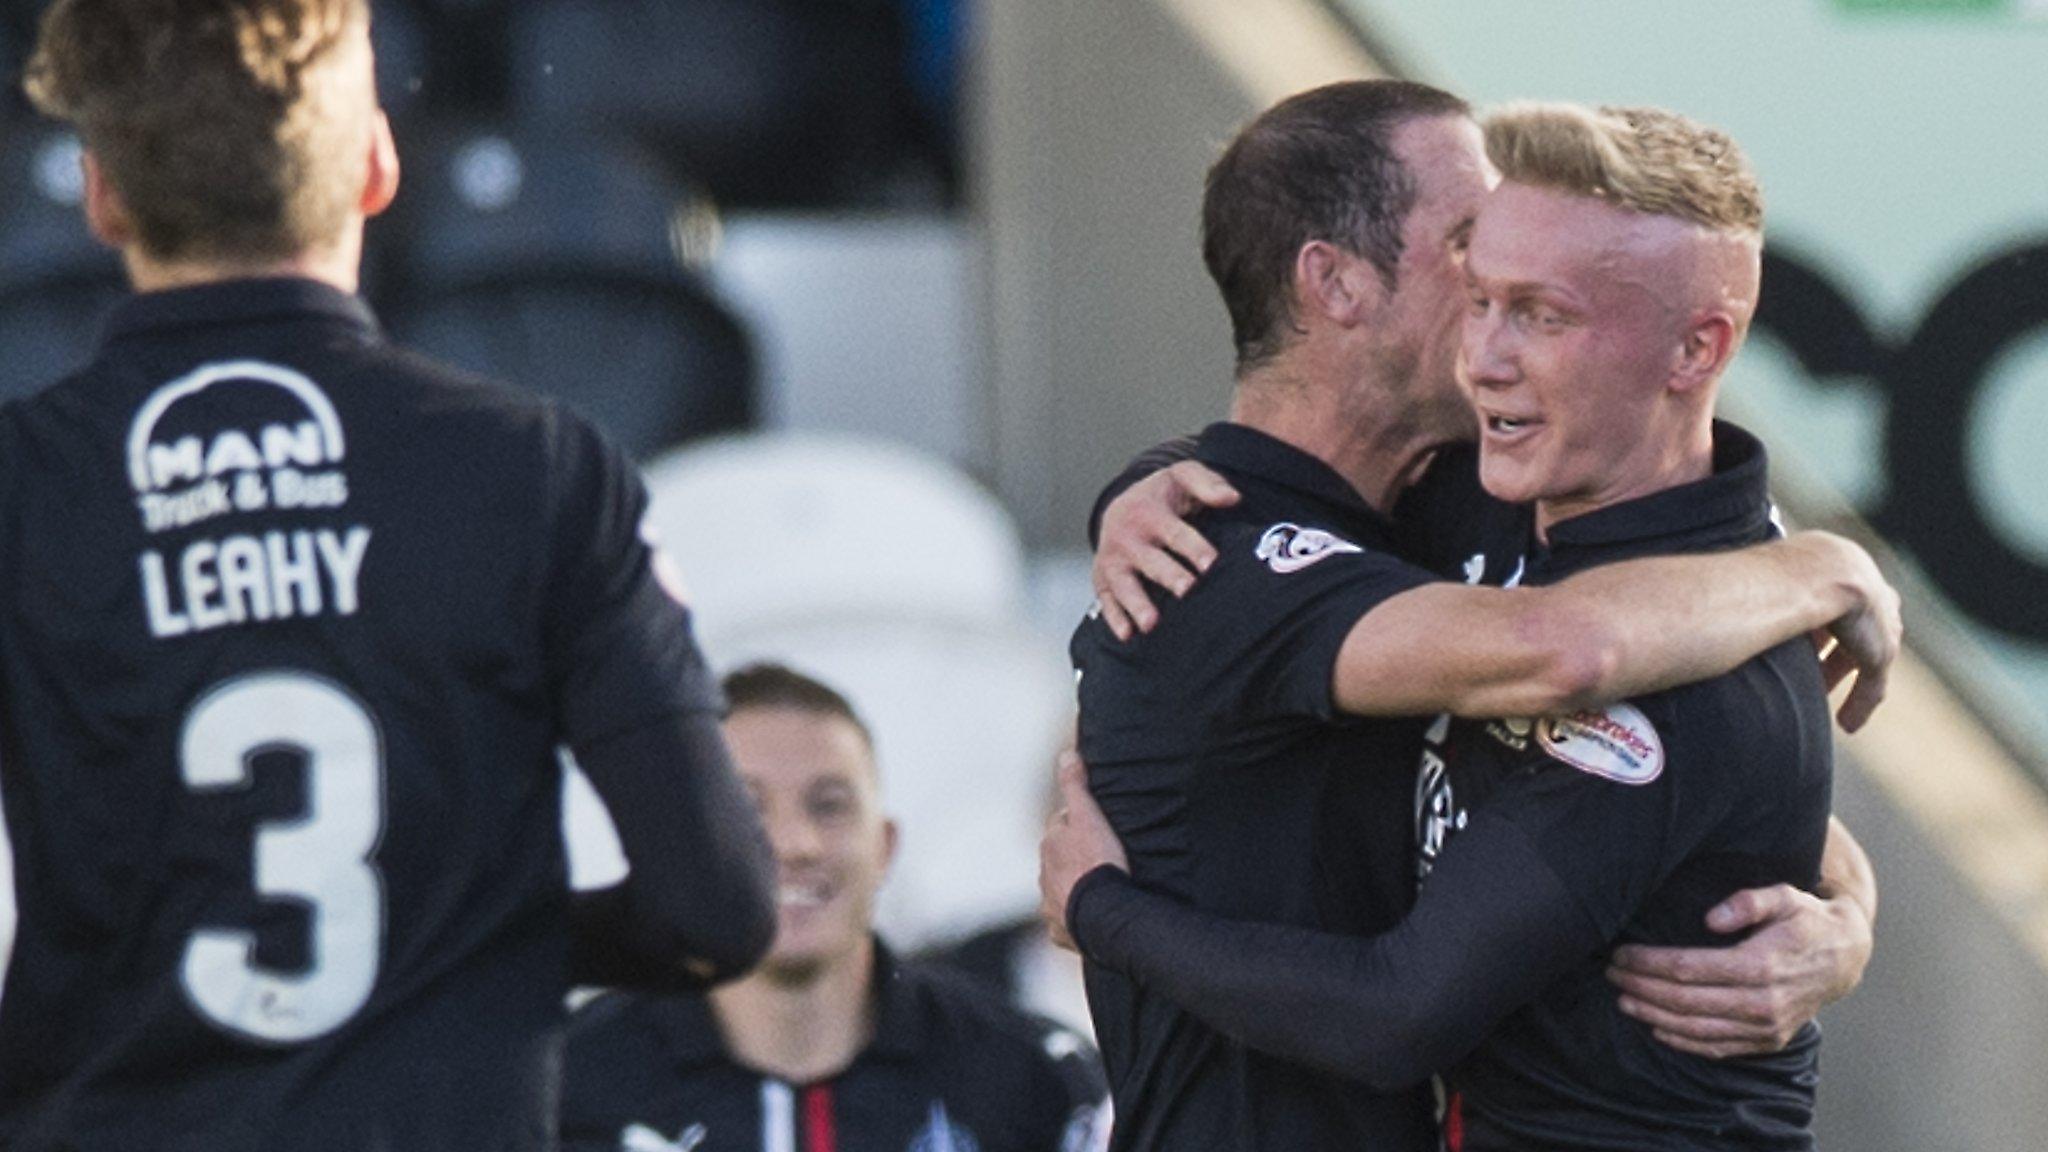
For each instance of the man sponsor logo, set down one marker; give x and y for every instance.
(1290, 547)
(186, 468)
(1617, 743)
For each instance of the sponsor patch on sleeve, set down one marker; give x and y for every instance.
(1617, 743)
(1290, 547)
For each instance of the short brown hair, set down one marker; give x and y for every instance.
(232, 129)
(1316, 166)
(1647, 160)
(770, 685)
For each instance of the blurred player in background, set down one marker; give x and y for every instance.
(1223, 744)
(832, 1037)
(291, 625)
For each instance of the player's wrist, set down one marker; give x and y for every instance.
(1093, 881)
(1850, 573)
(1851, 945)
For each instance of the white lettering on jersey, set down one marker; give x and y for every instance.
(1290, 547)
(1616, 743)
(238, 579)
(199, 475)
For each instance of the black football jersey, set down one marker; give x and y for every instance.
(291, 625)
(1649, 812)
(1215, 749)
(950, 1068)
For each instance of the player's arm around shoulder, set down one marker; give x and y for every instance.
(1621, 630)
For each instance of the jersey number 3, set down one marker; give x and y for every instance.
(321, 858)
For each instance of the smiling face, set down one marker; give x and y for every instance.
(1575, 348)
(812, 776)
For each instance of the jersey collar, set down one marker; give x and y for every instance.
(1730, 507)
(691, 1031)
(238, 302)
(1244, 449)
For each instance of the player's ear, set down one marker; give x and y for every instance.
(380, 184)
(1704, 350)
(891, 838)
(106, 215)
(1335, 284)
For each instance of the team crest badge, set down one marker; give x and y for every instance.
(1290, 547)
(941, 1134)
(1616, 743)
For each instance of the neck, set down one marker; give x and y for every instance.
(1373, 441)
(805, 1032)
(1657, 464)
(338, 265)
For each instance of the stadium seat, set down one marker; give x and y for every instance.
(465, 52)
(57, 284)
(18, 20)
(770, 102)
(404, 69)
(553, 263)
(770, 530)
(894, 577)
(966, 722)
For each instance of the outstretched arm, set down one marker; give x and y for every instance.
(1494, 927)
(1617, 631)
(1803, 953)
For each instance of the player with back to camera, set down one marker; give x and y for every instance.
(1257, 748)
(832, 1036)
(291, 625)
(1610, 279)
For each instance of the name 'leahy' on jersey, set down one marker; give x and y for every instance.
(291, 623)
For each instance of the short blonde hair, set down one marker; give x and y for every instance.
(231, 128)
(1644, 159)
